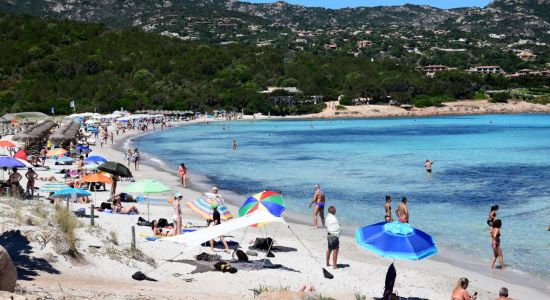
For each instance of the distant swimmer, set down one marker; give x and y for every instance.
(234, 144)
(428, 166)
(387, 207)
(402, 212)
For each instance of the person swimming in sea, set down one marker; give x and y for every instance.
(387, 208)
(319, 209)
(234, 145)
(492, 215)
(428, 166)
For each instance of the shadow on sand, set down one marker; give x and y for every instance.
(20, 251)
(404, 298)
(256, 265)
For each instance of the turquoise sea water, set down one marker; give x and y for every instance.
(479, 161)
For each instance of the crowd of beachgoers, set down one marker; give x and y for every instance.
(93, 174)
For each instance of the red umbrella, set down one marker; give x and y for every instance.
(21, 154)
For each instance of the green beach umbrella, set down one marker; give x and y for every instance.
(147, 186)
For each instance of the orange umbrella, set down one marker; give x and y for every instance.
(6, 144)
(56, 152)
(97, 177)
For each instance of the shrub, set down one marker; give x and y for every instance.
(345, 101)
(480, 96)
(265, 289)
(340, 107)
(66, 224)
(425, 101)
(500, 98)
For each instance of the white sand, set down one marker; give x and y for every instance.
(100, 276)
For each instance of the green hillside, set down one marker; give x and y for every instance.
(48, 63)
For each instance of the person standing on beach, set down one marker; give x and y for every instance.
(136, 158)
(402, 212)
(428, 166)
(128, 157)
(112, 136)
(319, 208)
(43, 156)
(177, 213)
(492, 215)
(31, 177)
(14, 179)
(234, 144)
(216, 220)
(333, 237)
(387, 208)
(495, 244)
(182, 171)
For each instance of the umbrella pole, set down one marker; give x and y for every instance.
(148, 215)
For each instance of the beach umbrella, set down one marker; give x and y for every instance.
(7, 144)
(63, 159)
(147, 186)
(26, 163)
(267, 200)
(10, 162)
(96, 159)
(71, 193)
(53, 187)
(90, 167)
(56, 152)
(396, 240)
(21, 154)
(115, 168)
(97, 177)
(203, 207)
(82, 149)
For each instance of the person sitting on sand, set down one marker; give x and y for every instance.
(402, 212)
(492, 215)
(162, 231)
(503, 294)
(47, 178)
(216, 220)
(319, 209)
(118, 208)
(460, 292)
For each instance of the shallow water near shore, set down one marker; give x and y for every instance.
(479, 161)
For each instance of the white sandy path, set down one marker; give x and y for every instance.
(366, 272)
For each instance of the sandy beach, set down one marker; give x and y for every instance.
(104, 269)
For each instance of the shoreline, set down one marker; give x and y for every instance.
(458, 261)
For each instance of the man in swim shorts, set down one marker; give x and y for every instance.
(428, 166)
(402, 211)
(319, 209)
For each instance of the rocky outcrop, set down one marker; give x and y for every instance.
(8, 273)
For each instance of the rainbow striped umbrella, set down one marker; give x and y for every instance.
(268, 200)
(203, 207)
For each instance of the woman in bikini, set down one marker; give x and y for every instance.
(492, 215)
(495, 244)
(319, 209)
(460, 292)
(387, 207)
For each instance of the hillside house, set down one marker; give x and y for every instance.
(526, 55)
(487, 70)
(364, 44)
(432, 69)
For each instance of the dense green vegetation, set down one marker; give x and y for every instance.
(48, 63)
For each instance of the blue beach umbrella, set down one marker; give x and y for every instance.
(71, 192)
(96, 159)
(53, 187)
(10, 162)
(82, 149)
(396, 240)
(63, 159)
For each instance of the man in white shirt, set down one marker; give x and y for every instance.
(333, 236)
